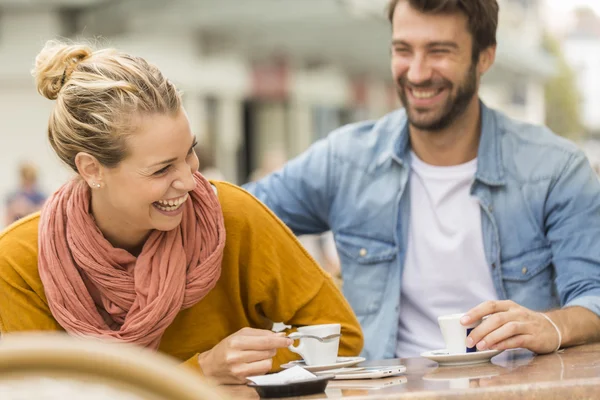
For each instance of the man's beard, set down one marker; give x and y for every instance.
(455, 106)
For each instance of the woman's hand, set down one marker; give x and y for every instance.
(248, 352)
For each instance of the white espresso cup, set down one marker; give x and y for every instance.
(313, 351)
(455, 334)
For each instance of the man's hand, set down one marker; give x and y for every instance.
(508, 326)
(247, 352)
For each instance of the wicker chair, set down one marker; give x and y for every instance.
(62, 367)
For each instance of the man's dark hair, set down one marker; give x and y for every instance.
(482, 17)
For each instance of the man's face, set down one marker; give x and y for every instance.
(433, 67)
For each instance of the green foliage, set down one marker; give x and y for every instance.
(563, 100)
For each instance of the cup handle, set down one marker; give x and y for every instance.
(296, 349)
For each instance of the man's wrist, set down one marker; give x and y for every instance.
(577, 324)
(557, 329)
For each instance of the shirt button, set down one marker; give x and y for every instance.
(524, 270)
(362, 252)
(491, 208)
(493, 265)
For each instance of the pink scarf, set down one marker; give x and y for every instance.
(94, 289)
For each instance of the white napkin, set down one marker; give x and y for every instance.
(280, 327)
(290, 375)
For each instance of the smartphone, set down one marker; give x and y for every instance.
(372, 373)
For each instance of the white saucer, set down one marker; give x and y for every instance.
(442, 357)
(341, 362)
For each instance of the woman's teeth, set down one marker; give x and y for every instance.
(171, 205)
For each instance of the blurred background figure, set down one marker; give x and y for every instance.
(28, 198)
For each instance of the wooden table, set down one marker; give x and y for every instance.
(517, 374)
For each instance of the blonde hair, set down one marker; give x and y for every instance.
(97, 94)
(28, 172)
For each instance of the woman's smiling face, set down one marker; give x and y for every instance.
(147, 189)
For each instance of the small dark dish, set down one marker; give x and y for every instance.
(299, 388)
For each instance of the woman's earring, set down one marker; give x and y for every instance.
(96, 185)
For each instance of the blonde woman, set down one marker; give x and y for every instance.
(28, 198)
(140, 247)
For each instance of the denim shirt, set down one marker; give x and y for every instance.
(540, 207)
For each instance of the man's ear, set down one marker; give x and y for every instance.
(487, 57)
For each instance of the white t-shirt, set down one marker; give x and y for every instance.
(445, 270)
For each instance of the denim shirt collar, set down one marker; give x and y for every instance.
(490, 169)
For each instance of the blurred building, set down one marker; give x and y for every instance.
(257, 75)
(515, 84)
(582, 50)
